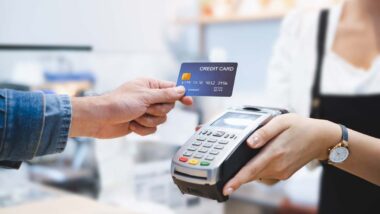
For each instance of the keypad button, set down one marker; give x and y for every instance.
(209, 133)
(203, 150)
(205, 163)
(192, 148)
(232, 136)
(198, 156)
(207, 145)
(183, 159)
(211, 140)
(197, 143)
(214, 152)
(193, 162)
(188, 154)
(223, 141)
(209, 157)
(226, 136)
(204, 132)
(218, 147)
(201, 139)
(218, 134)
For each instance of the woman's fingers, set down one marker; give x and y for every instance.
(268, 181)
(141, 130)
(248, 173)
(267, 132)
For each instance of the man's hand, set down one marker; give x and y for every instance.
(138, 106)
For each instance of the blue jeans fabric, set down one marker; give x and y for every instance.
(32, 124)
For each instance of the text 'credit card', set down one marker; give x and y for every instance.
(208, 79)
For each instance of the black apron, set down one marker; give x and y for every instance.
(342, 192)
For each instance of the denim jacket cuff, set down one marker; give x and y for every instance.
(66, 113)
(57, 124)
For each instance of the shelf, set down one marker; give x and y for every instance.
(258, 16)
(36, 47)
(263, 15)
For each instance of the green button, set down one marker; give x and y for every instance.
(204, 163)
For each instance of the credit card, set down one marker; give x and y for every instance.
(208, 79)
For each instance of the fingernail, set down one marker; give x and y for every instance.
(180, 89)
(253, 141)
(229, 191)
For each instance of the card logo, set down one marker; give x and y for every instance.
(186, 76)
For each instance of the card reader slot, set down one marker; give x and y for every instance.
(190, 176)
(251, 108)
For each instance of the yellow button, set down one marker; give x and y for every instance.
(186, 76)
(193, 162)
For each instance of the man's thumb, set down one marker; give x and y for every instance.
(166, 95)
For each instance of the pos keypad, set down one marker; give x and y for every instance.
(206, 147)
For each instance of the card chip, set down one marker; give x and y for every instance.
(186, 76)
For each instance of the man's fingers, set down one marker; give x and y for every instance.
(141, 130)
(160, 109)
(113, 131)
(187, 101)
(248, 173)
(150, 121)
(267, 133)
(167, 95)
(165, 84)
(157, 84)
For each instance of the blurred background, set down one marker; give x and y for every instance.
(86, 47)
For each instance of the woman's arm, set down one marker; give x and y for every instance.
(293, 141)
(364, 158)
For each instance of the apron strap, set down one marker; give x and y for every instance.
(321, 40)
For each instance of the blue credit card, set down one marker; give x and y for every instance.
(208, 79)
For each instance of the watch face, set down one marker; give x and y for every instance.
(338, 155)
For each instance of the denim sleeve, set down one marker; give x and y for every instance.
(32, 124)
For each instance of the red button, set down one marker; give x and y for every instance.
(183, 159)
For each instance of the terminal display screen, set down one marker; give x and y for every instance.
(235, 120)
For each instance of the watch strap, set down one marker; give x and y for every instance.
(344, 132)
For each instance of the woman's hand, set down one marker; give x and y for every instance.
(292, 141)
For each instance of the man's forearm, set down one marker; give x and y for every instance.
(32, 124)
(88, 115)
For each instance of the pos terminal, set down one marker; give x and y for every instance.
(217, 151)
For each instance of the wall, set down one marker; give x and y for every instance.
(128, 37)
(249, 44)
(123, 25)
(131, 39)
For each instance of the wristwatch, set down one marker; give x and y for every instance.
(340, 152)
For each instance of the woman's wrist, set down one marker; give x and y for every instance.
(328, 135)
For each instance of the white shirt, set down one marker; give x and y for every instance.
(292, 68)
